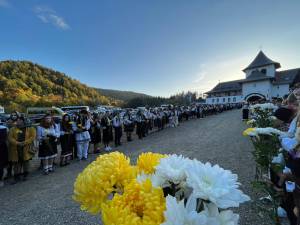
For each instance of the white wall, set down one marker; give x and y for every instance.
(228, 99)
(280, 90)
(270, 70)
(261, 87)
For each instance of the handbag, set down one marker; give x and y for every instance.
(33, 149)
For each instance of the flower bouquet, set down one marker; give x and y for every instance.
(268, 160)
(159, 189)
(262, 115)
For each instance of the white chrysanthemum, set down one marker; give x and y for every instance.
(251, 122)
(177, 214)
(172, 170)
(266, 131)
(265, 106)
(215, 184)
(226, 217)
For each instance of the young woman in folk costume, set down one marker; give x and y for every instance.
(140, 124)
(128, 125)
(96, 132)
(106, 127)
(66, 140)
(291, 144)
(82, 135)
(20, 139)
(11, 122)
(47, 135)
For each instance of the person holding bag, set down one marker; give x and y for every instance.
(21, 140)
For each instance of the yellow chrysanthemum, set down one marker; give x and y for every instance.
(147, 162)
(140, 204)
(248, 131)
(108, 174)
(249, 122)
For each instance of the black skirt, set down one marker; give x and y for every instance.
(96, 135)
(3, 148)
(48, 149)
(107, 135)
(67, 144)
(129, 127)
(245, 114)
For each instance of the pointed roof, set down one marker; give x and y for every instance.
(261, 60)
(226, 86)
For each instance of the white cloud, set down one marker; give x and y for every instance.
(48, 15)
(43, 18)
(4, 3)
(201, 74)
(59, 22)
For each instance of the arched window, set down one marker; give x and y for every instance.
(264, 71)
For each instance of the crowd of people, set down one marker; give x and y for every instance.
(286, 182)
(21, 139)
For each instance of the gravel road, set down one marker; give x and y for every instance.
(218, 139)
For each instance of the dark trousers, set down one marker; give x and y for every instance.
(118, 135)
(288, 205)
(1, 173)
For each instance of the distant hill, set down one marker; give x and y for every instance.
(124, 96)
(23, 84)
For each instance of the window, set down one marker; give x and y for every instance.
(234, 99)
(228, 99)
(224, 100)
(277, 87)
(264, 71)
(217, 100)
(213, 100)
(254, 85)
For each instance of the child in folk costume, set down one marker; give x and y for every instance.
(21, 139)
(117, 125)
(82, 135)
(47, 135)
(106, 124)
(66, 140)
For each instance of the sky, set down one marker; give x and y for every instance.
(157, 47)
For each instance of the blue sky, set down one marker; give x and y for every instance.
(158, 47)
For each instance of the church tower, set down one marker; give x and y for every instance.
(262, 66)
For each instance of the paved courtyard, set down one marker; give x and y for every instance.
(218, 139)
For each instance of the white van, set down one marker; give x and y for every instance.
(37, 113)
(75, 108)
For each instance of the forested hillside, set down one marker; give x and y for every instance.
(124, 96)
(24, 84)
